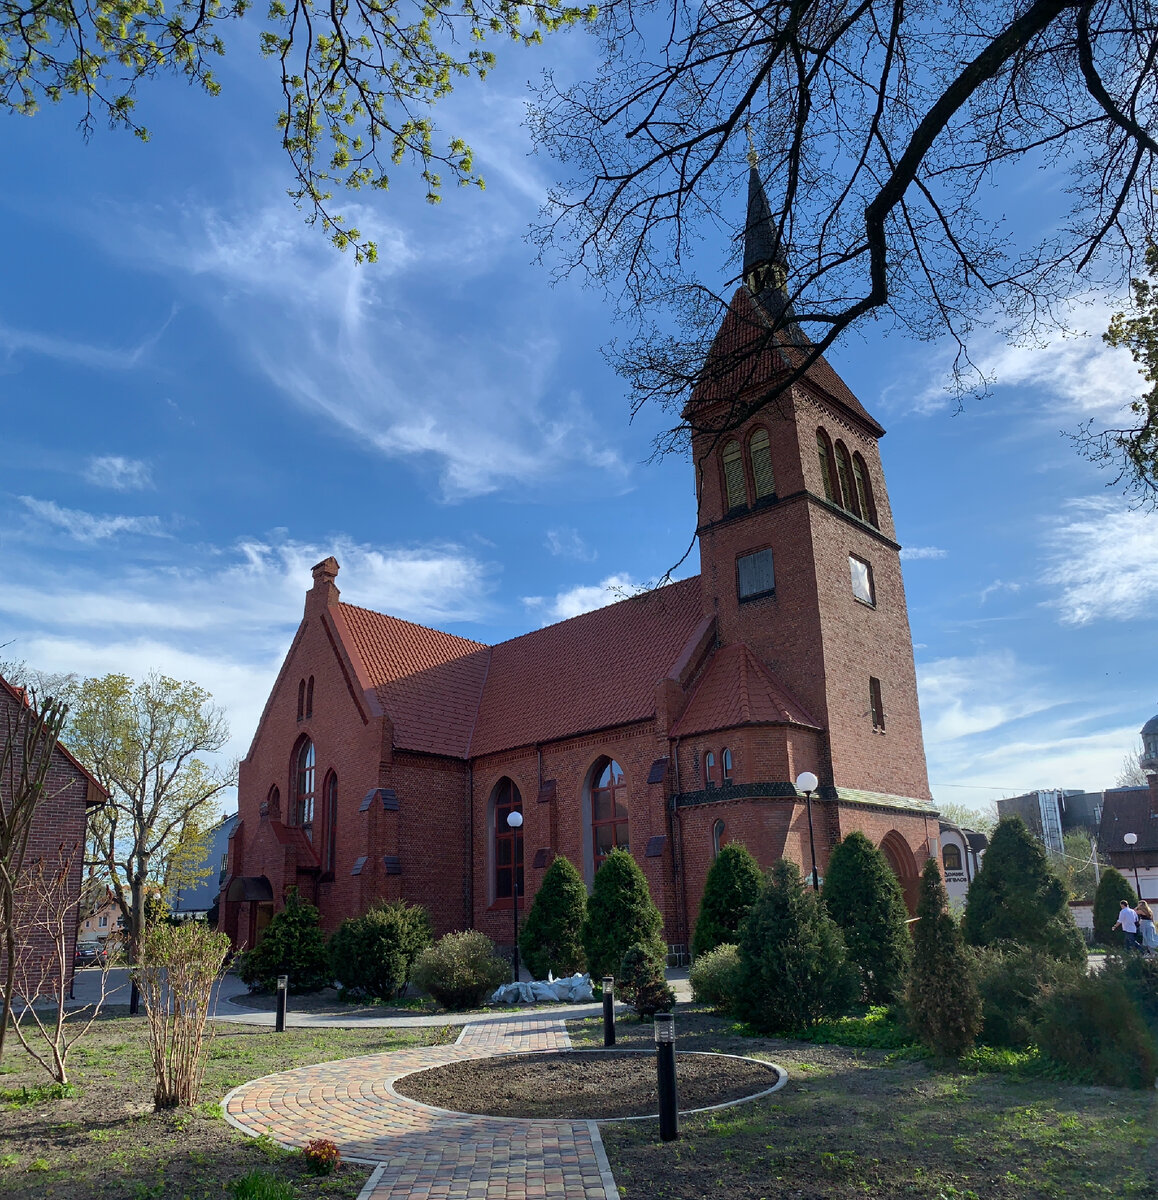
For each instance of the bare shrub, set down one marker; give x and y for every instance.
(176, 971)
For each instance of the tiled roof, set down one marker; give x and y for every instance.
(738, 689)
(591, 672)
(429, 682)
(1127, 810)
(885, 800)
(743, 357)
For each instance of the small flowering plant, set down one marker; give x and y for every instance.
(321, 1156)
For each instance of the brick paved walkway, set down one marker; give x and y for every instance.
(426, 1153)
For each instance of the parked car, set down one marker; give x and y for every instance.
(90, 954)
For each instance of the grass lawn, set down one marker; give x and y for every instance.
(106, 1143)
(855, 1123)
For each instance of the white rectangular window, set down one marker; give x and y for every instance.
(754, 574)
(862, 580)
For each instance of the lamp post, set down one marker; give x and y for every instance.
(515, 821)
(279, 1017)
(664, 1026)
(807, 783)
(1131, 840)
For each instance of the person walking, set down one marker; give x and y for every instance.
(1127, 922)
(1147, 934)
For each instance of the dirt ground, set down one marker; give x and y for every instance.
(587, 1085)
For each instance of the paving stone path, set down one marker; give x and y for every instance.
(423, 1153)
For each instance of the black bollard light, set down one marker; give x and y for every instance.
(608, 1010)
(669, 1127)
(282, 988)
(134, 999)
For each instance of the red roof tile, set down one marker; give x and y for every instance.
(737, 689)
(591, 672)
(429, 682)
(743, 357)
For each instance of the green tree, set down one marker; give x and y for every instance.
(961, 815)
(373, 955)
(620, 913)
(943, 1003)
(863, 896)
(1075, 866)
(642, 982)
(293, 944)
(1015, 896)
(551, 939)
(1112, 890)
(145, 742)
(793, 969)
(357, 81)
(733, 885)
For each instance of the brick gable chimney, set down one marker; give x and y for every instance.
(324, 594)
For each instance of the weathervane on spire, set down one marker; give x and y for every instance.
(753, 157)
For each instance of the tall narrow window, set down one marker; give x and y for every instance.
(304, 791)
(862, 580)
(844, 471)
(736, 491)
(301, 699)
(331, 802)
(827, 467)
(755, 575)
(864, 489)
(760, 453)
(717, 838)
(609, 824)
(726, 763)
(709, 770)
(506, 799)
(877, 704)
(310, 697)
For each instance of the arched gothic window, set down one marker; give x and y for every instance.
(717, 838)
(709, 770)
(760, 455)
(508, 843)
(301, 699)
(330, 794)
(864, 489)
(310, 697)
(726, 763)
(827, 467)
(735, 489)
(304, 789)
(847, 485)
(609, 821)
(951, 857)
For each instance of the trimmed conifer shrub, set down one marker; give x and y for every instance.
(731, 888)
(1017, 897)
(1113, 888)
(551, 939)
(1014, 982)
(864, 897)
(460, 970)
(371, 956)
(944, 1007)
(793, 970)
(293, 944)
(620, 912)
(642, 983)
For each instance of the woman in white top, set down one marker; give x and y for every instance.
(1147, 934)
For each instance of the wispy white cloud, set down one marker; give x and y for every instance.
(119, 473)
(89, 527)
(14, 342)
(567, 543)
(998, 585)
(1103, 562)
(914, 553)
(582, 598)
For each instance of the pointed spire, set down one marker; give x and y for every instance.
(761, 242)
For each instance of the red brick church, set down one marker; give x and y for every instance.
(389, 755)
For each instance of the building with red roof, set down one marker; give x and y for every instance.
(389, 754)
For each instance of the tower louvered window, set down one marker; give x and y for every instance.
(736, 490)
(827, 467)
(864, 489)
(847, 486)
(760, 453)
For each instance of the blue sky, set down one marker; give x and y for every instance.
(200, 399)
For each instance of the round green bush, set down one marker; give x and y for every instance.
(864, 897)
(642, 983)
(460, 970)
(733, 885)
(372, 956)
(793, 970)
(714, 977)
(1014, 982)
(551, 940)
(1093, 1028)
(620, 913)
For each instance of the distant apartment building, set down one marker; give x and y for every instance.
(1051, 813)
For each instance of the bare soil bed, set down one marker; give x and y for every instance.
(583, 1085)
